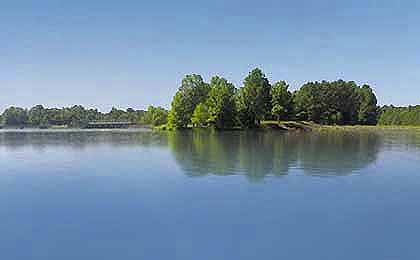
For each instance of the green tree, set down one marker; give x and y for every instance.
(278, 111)
(368, 110)
(200, 116)
(345, 100)
(337, 102)
(155, 116)
(133, 116)
(76, 116)
(179, 115)
(253, 99)
(15, 116)
(116, 115)
(281, 100)
(391, 115)
(55, 116)
(38, 116)
(221, 103)
(192, 91)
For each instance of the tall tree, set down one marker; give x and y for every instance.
(192, 91)
(77, 116)
(281, 100)
(15, 116)
(253, 99)
(368, 110)
(221, 103)
(38, 116)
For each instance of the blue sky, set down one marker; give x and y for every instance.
(134, 53)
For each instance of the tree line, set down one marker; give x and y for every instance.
(408, 116)
(79, 116)
(221, 105)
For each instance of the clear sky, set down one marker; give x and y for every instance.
(134, 53)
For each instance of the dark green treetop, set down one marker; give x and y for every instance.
(221, 103)
(253, 99)
(15, 116)
(193, 90)
(281, 100)
(368, 111)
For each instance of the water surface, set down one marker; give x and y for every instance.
(208, 195)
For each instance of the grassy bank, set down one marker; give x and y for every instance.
(359, 128)
(289, 125)
(305, 126)
(276, 125)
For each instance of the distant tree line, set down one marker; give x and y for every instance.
(408, 116)
(78, 116)
(338, 102)
(221, 105)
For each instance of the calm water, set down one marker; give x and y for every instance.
(201, 195)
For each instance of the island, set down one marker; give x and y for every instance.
(218, 104)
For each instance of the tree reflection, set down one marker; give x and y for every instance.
(257, 154)
(80, 139)
(337, 153)
(202, 152)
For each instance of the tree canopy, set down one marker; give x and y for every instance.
(281, 101)
(193, 90)
(253, 99)
(15, 116)
(79, 116)
(337, 102)
(200, 117)
(221, 105)
(154, 116)
(368, 110)
(406, 116)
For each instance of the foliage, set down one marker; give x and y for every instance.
(221, 103)
(180, 114)
(337, 102)
(200, 116)
(278, 111)
(193, 90)
(155, 116)
(281, 101)
(368, 110)
(15, 116)
(78, 116)
(405, 116)
(37, 116)
(253, 99)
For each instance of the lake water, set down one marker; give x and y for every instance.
(203, 195)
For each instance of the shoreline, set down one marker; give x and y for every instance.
(285, 126)
(67, 130)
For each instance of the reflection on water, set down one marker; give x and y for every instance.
(79, 139)
(255, 154)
